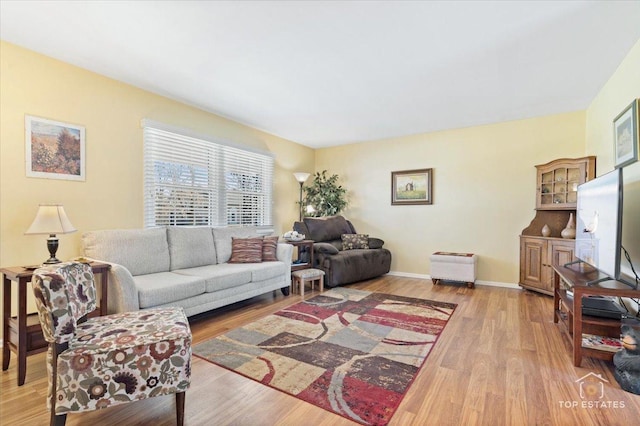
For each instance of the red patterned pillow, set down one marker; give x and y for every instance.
(246, 250)
(269, 249)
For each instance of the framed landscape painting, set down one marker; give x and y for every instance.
(625, 136)
(54, 150)
(411, 187)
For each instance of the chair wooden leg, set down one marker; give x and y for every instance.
(58, 420)
(180, 397)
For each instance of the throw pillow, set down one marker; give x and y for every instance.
(375, 243)
(269, 249)
(355, 241)
(246, 250)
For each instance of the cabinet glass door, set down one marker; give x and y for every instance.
(558, 185)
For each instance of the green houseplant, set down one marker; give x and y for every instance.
(325, 195)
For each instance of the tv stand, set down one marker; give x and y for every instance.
(585, 280)
(580, 262)
(575, 262)
(600, 280)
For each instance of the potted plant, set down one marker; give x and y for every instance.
(325, 196)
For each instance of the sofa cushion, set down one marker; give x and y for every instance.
(166, 287)
(141, 251)
(246, 250)
(222, 238)
(269, 249)
(266, 271)
(227, 275)
(220, 276)
(354, 265)
(355, 241)
(190, 247)
(327, 228)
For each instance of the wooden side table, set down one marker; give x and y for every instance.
(22, 334)
(308, 244)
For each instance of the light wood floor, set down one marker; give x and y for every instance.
(499, 361)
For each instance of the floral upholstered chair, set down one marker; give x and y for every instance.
(104, 361)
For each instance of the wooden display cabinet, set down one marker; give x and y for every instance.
(556, 199)
(557, 182)
(537, 254)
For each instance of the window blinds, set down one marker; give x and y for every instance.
(190, 180)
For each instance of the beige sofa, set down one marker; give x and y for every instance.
(182, 266)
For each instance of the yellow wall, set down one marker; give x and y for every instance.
(484, 177)
(615, 96)
(484, 180)
(483, 189)
(111, 111)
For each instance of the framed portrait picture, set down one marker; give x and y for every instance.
(54, 150)
(625, 136)
(410, 187)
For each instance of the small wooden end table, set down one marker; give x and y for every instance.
(304, 244)
(23, 334)
(299, 245)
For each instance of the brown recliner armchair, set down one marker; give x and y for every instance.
(344, 255)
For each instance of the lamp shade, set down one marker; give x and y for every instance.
(51, 219)
(301, 176)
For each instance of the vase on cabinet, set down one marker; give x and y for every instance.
(570, 230)
(546, 231)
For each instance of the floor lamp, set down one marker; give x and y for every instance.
(301, 177)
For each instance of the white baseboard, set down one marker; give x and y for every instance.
(499, 284)
(409, 275)
(478, 282)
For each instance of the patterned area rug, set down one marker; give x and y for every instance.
(351, 352)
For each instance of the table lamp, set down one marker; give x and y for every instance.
(51, 219)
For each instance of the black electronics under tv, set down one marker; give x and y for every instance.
(602, 307)
(599, 224)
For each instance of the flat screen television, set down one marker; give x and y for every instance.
(630, 258)
(599, 224)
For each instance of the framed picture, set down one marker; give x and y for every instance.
(54, 150)
(410, 187)
(625, 136)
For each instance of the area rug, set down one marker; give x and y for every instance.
(351, 352)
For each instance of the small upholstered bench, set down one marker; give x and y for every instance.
(459, 267)
(301, 277)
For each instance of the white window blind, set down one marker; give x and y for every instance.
(190, 180)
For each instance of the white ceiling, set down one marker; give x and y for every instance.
(324, 73)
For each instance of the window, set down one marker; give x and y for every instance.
(191, 180)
